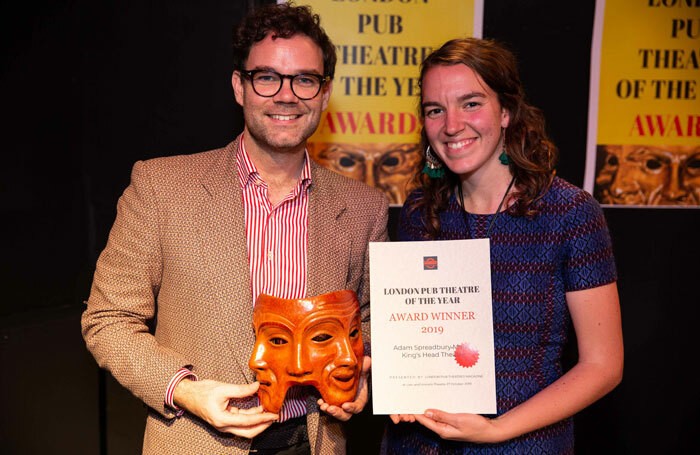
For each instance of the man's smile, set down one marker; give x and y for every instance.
(285, 117)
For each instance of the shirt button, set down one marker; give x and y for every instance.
(269, 255)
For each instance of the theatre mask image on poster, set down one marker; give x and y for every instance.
(387, 167)
(648, 175)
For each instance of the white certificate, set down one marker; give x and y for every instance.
(432, 327)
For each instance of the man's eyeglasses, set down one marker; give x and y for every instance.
(268, 83)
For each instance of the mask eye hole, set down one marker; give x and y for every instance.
(694, 164)
(278, 340)
(346, 161)
(390, 161)
(354, 333)
(653, 164)
(322, 337)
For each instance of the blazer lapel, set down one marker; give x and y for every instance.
(328, 248)
(223, 237)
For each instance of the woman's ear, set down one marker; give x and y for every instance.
(505, 118)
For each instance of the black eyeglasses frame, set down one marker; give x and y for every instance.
(250, 74)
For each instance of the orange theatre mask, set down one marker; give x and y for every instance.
(315, 341)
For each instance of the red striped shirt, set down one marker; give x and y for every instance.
(277, 243)
(181, 374)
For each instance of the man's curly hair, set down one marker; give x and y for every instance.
(282, 21)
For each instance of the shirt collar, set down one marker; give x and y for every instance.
(248, 173)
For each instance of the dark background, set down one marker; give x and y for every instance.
(90, 87)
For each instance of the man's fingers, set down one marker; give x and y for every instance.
(358, 404)
(255, 410)
(240, 390)
(351, 407)
(336, 412)
(345, 411)
(397, 418)
(366, 364)
(230, 419)
(361, 397)
(247, 432)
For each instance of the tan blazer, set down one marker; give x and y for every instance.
(177, 260)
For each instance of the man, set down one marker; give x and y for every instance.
(198, 237)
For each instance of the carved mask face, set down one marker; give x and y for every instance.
(650, 175)
(315, 341)
(388, 167)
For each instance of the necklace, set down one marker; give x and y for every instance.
(493, 220)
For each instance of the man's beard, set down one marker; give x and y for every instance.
(288, 141)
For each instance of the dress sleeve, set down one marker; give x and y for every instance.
(588, 260)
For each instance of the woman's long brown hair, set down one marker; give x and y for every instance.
(532, 155)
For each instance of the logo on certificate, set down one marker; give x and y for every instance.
(429, 262)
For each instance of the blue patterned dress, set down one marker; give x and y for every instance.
(534, 262)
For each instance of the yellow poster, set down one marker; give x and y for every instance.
(644, 118)
(371, 129)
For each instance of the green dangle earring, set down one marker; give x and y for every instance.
(503, 157)
(433, 167)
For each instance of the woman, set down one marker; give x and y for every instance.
(488, 172)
